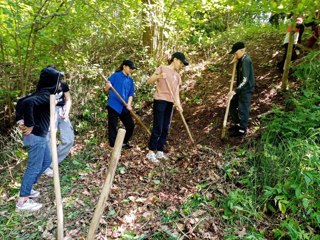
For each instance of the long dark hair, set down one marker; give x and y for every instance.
(120, 68)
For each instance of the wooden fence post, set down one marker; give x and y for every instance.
(107, 184)
(56, 180)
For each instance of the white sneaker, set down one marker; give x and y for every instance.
(151, 156)
(161, 155)
(28, 205)
(48, 172)
(34, 194)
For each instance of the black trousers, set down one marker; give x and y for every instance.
(294, 56)
(126, 119)
(162, 111)
(240, 108)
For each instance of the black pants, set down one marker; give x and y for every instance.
(162, 111)
(126, 119)
(240, 108)
(294, 56)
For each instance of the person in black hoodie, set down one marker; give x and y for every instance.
(241, 96)
(33, 118)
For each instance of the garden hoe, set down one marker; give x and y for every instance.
(134, 115)
(224, 128)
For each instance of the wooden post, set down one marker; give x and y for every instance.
(55, 167)
(107, 184)
(287, 63)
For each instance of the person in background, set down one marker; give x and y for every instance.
(63, 124)
(241, 96)
(163, 103)
(315, 28)
(121, 81)
(299, 29)
(33, 119)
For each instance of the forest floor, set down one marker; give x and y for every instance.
(151, 200)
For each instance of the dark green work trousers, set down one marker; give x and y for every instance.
(240, 108)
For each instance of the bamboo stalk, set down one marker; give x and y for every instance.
(55, 167)
(107, 184)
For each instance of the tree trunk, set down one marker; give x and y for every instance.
(149, 28)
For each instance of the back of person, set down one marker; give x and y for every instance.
(33, 118)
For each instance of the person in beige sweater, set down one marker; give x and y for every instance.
(167, 94)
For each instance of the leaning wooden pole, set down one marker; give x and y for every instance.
(134, 115)
(107, 184)
(224, 125)
(55, 167)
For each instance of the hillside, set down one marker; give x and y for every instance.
(146, 199)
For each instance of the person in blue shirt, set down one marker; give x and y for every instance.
(121, 81)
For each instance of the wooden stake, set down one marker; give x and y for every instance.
(107, 184)
(224, 129)
(55, 167)
(134, 115)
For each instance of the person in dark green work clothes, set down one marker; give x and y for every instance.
(241, 96)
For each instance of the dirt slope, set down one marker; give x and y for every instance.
(143, 193)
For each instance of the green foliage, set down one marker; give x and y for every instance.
(284, 167)
(308, 73)
(11, 148)
(240, 208)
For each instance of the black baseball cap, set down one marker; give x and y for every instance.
(236, 47)
(129, 63)
(181, 57)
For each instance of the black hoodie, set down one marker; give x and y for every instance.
(34, 109)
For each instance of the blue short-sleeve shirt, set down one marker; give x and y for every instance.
(124, 85)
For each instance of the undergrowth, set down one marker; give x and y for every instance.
(281, 181)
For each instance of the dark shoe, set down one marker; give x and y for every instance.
(233, 128)
(126, 146)
(239, 133)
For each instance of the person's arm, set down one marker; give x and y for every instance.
(19, 118)
(129, 104)
(19, 111)
(108, 83)
(246, 68)
(177, 96)
(67, 106)
(232, 92)
(178, 103)
(28, 105)
(153, 78)
(107, 86)
(130, 98)
(156, 76)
